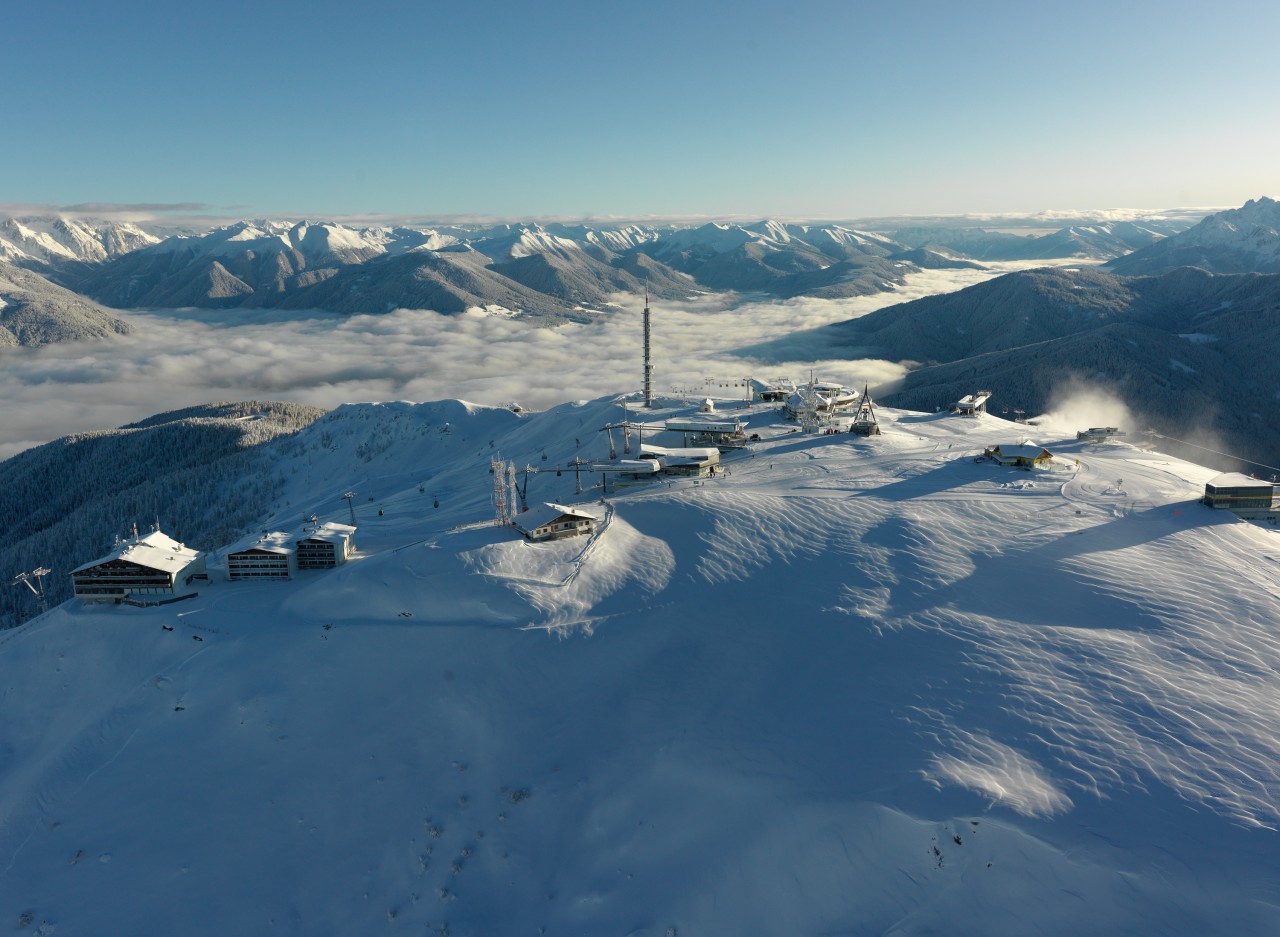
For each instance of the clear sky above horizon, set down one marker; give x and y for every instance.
(564, 108)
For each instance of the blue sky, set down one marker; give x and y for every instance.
(569, 109)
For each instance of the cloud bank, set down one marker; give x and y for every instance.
(187, 357)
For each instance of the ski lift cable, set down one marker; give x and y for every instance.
(1214, 451)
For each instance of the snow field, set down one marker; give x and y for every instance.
(856, 686)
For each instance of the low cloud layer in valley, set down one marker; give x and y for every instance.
(186, 357)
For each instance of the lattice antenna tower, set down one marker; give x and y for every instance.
(809, 414)
(513, 496)
(648, 363)
(501, 506)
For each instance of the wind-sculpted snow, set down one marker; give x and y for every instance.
(847, 685)
(997, 771)
(565, 581)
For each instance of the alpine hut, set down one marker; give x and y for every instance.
(1025, 455)
(553, 522)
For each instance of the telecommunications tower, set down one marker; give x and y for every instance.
(648, 365)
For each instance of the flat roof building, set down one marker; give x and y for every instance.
(1242, 495)
(270, 556)
(696, 461)
(325, 546)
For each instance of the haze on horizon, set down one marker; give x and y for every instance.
(821, 110)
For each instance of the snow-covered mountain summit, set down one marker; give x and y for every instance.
(43, 241)
(1240, 240)
(847, 685)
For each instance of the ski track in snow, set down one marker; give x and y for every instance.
(692, 753)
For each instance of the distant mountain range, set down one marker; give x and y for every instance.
(552, 272)
(1098, 241)
(1242, 240)
(1190, 352)
(44, 241)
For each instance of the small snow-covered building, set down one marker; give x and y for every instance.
(694, 461)
(772, 391)
(554, 522)
(972, 404)
(627, 469)
(1025, 455)
(723, 434)
(150, 568)
(1099, 433)
(325, 546)
(270, 556)
(1242, 495)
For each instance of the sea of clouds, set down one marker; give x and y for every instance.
(179, 358)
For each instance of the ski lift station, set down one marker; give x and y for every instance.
(723, 434)
(824, 398)
(1243, 496)
(693, 462)
(1099, 434)
(972, 404)
(554, 522)
(154, 569)
(1023, 455)
(775, 391)
(278, 555)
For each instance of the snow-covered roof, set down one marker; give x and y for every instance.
(1026, 450)
(330, 531)
(542, 514)
(275, 541)
(154, 551)
(1237, 480)
(700, 453)
(704, 426)
(634, 466)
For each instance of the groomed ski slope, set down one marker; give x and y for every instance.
(852, 686)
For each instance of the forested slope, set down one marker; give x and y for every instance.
(199, 471)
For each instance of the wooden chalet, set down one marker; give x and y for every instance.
(554, 522)
(1023, 455)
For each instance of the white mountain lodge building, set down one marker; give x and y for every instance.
(278, 555)
(152, 566)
